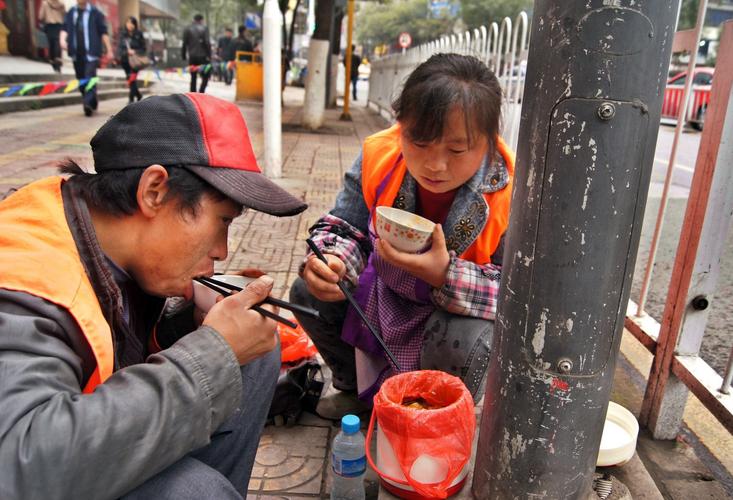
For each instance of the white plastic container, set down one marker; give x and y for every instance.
(426, 469)
(618, 442)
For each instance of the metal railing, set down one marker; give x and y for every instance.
(502, 47)
(675, 343)
(676, 340)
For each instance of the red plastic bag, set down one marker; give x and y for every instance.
(444, 433)
(294, 344)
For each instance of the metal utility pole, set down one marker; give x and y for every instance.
(595, 79)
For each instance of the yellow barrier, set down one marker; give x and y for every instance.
(249, 75)
(4, 32)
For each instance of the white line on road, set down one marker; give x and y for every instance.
(665, 161)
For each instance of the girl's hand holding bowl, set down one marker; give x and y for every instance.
(430, 266)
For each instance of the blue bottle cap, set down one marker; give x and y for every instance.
(350, 424)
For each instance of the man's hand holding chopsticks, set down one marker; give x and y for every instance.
(249, 334)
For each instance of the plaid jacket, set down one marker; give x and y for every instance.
(471, 289)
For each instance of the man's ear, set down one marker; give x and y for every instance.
(152, 189)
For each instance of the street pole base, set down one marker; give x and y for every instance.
(345, 117)
(607, 487)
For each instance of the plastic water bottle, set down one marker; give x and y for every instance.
(348, 461)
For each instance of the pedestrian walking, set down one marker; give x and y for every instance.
(443, 160)
(355, 63)
(226, 55)
(197, 48)
(83, 35)
(51, 17)
(131, 42)
(109, 390)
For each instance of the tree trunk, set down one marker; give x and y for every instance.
(292, 30)
(283, 4)
(334, 60)
(315, 84)
(324, 14)
(314, 106)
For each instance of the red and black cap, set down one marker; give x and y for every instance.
(204, 134)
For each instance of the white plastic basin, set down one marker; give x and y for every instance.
(619, 436)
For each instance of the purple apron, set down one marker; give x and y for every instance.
(398, 304)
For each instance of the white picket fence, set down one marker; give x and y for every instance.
(502, 47)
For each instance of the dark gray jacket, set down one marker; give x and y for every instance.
(56, 443)
(196, 44)
(96, 26)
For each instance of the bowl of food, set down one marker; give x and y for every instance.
(205, 298)
(618, 441)
(405, 231)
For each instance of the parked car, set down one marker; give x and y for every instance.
(699, 98)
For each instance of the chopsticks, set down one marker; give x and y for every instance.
(306, 311)
(357, 308)
(256, 307)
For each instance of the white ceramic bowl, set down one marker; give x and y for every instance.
(205, 298)
(619, 436)
(403, 230)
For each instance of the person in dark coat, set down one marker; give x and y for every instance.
(241, 43)
(223, 50)
(355, 63)
(197, 46)
(83, 35)
(131, 41)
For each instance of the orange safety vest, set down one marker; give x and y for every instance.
(381, 169)
(38, 256)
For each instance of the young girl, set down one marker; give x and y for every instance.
(443, 160)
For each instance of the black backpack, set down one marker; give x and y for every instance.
(299, 386)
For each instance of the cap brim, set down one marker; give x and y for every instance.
(251, 189)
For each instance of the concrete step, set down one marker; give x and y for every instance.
(27, 103)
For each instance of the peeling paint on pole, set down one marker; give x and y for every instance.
(590, 118)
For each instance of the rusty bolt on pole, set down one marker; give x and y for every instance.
(590, 116)
(606, 111)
